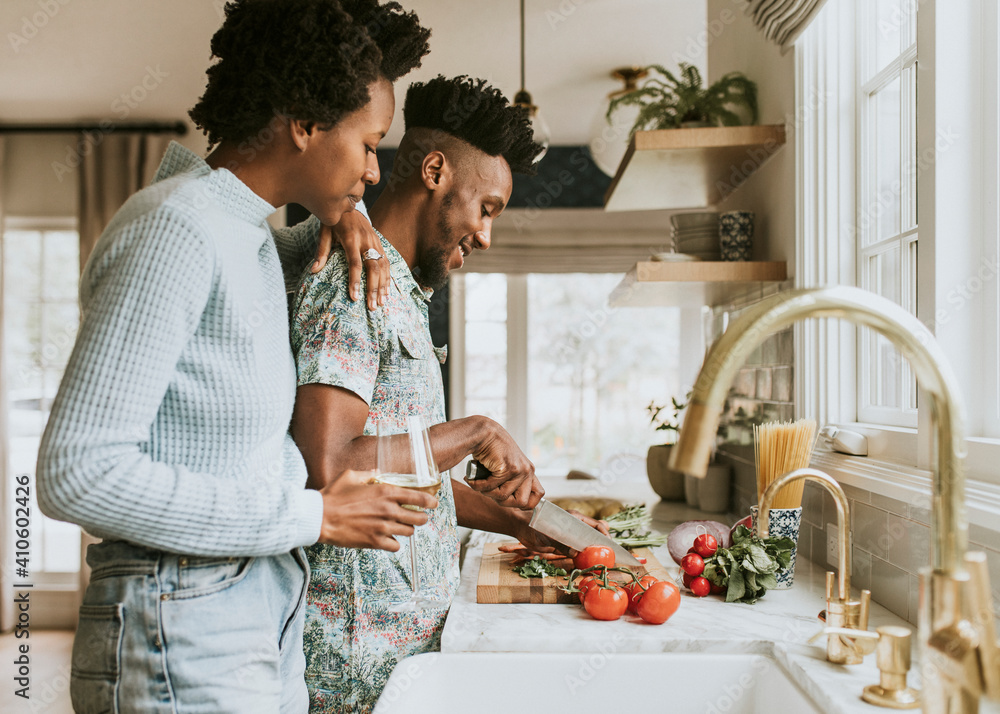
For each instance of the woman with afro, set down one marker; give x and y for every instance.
(169, 434)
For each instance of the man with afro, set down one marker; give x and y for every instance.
(360, 370)
(168, 438)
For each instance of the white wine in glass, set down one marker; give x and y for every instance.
(412, 468)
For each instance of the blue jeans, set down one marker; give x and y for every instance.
(174, 634)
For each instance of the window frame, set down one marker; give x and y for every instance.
(64, 585)
(900, 458)
(870, 81)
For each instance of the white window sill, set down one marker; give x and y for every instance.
(909, 485)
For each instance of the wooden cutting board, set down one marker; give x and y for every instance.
(498, 583)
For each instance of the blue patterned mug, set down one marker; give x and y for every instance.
(782, 523)
(736, 235)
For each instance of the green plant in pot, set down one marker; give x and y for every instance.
(668, 484)
(710, 493)
(671, 102)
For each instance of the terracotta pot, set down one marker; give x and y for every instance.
(668, 484)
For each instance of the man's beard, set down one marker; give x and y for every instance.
(433, 260)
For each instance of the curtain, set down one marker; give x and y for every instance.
(782, 21)
(113, 167)
(7, 569)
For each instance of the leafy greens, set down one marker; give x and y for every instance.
(538, 568)
(630, 528)
(746, 569)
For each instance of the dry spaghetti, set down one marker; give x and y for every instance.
(778, 449)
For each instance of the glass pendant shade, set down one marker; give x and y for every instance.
(609, 140)
(539, 126)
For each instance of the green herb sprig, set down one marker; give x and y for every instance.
(746, 569)
(538, 568)
(630, 528)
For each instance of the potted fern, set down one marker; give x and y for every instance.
(671, 102)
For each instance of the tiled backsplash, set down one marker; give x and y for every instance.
(891, 539)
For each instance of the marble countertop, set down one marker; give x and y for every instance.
(778, 625)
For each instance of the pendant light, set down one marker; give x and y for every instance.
(523, 99)
(609, 138)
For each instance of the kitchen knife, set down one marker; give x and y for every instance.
(559, 525)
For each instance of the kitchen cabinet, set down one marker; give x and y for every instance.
(689, 168)
(695, 283)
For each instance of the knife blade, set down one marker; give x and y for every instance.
(560, 525)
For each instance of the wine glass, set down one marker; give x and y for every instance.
(410, 468)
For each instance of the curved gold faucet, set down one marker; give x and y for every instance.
(843, 518)
(951, 602)
(846, 620)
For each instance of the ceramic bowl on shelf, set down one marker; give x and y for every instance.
(671, 257)
(698, 245)
(700, 219)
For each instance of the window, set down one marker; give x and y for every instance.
(887, 193)
(567, 375)
(41, 267)
(855, 229)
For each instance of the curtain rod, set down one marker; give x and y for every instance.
(106, 126)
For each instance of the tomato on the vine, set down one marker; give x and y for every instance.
(607, 603)
(659, 602)
(635, 591)
(585, 584)
(594, 555)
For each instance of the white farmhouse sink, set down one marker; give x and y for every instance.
(517, 683)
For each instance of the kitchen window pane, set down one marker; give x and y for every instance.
(592, 371)
(41, 316)
(891, 22)
(486, 297)
(22, 264)
(885, 363)
(910, 165)
(888, 184)
(62, 265)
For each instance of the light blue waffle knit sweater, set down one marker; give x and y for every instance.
(170, 426)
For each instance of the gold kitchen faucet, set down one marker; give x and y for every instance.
(959, 659)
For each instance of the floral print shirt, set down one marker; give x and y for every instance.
(386, 357)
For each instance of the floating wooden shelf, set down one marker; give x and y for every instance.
(689, 168)
(655, 283)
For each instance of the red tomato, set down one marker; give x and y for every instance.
(594, 555)
(659, 602)
(585, 584)
(606, 603)
(715, 589)
(688, 579)
(700, 586)
(635, 592)
(705, 545)
(693, 564)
